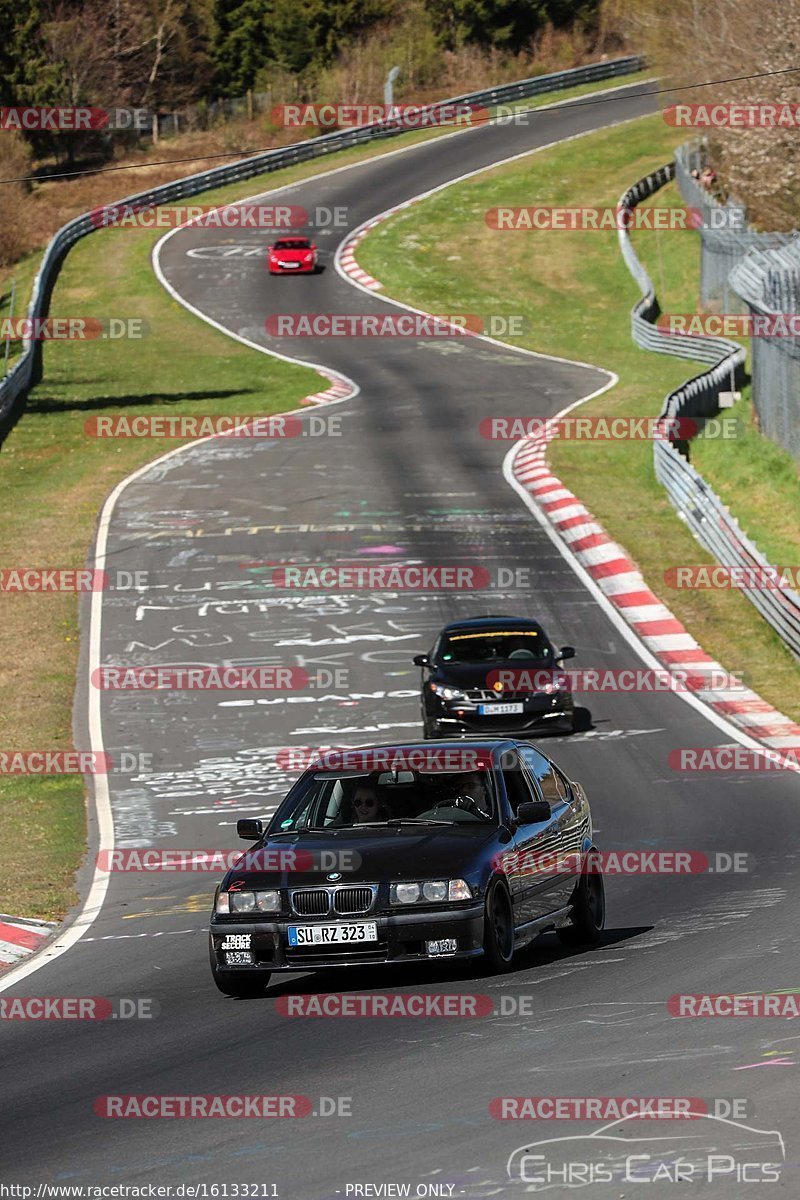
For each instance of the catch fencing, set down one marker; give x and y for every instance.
(695, 501)
(769, 283)
(27, 370)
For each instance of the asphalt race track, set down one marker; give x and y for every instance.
(409, 478)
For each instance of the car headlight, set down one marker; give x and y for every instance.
(405, 893)
(447, 692)
(559, 683)
(437, 890)
(243, 902)
(431, 891)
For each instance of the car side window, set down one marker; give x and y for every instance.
(551, 782)
(517, 787)
(563, 784)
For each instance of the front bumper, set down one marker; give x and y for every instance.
(295, 269)
(401, 938)
(538, 712)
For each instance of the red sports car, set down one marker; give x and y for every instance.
(295, 254)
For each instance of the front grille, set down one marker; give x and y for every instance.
(344, 901)
(351, 900)
(312, 903)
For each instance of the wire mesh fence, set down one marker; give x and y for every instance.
(698, 505)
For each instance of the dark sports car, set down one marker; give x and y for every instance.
(495, 675)
(403, 854)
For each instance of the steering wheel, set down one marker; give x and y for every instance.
(470, 805)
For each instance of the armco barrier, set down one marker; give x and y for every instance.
(26, 371)
(704, 513)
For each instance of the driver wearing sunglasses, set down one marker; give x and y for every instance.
(366, 805)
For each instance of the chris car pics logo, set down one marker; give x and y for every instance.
(708, 1150)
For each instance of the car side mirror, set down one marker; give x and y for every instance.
(249, 829)
(533, 811)
(421, 660)
(566, 652)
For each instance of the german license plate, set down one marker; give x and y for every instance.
(500, 710)
(332, 935)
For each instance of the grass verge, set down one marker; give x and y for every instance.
(577, 293)
(53, 480)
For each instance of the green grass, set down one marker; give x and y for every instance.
(53, 480)
(577, 293)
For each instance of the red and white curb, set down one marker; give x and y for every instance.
(340, 389)
(20, 937)
(624, 587)
(347, 257)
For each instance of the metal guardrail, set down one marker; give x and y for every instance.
(27, 370)
(710, 521)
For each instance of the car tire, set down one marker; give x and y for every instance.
(498, 930)
(581, 720)
(588, 909)
(427, 731)
(244, 984)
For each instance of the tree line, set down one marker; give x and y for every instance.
(167, 53)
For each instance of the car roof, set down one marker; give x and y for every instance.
(490, 621)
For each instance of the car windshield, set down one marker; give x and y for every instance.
(385, 798)
(293, 244)
(496, 645)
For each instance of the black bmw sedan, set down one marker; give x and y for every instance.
(404, 854)
(495, 675)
